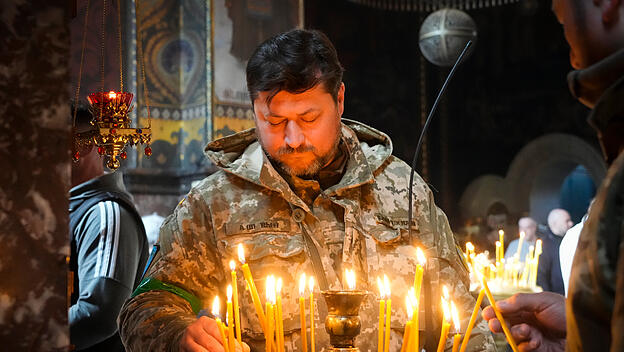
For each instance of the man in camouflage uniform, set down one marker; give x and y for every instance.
(592, 317)
(304, 193)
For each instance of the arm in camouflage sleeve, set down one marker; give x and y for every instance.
(452, 268)
(186, 274)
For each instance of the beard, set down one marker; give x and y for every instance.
(312, 169)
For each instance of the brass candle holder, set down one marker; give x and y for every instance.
(343, 321)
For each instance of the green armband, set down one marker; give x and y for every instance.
(151, 284)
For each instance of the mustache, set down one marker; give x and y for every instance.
(300, 149)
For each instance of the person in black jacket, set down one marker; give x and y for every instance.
(549, 270)
(108, 249)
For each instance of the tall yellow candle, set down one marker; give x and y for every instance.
(414, 331)
(388, 313)
(270, 301)
(311, 287)
(422, 261)
(538, 252)
(252, 287)
(457, 336)
(279, 316)
(490, 297)
(473, 319)
(501, 239)
(302, 313)
(498, 251)
(216, 312)
(382, 307)
(230, 319)
(237, 321)
(446, 325)
(520, 240)
(408, 325)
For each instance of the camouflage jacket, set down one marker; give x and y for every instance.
(595, 304)
(359, 223)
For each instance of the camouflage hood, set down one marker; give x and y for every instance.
(240, 154)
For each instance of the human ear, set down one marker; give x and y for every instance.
(610, 11)
(340, 99)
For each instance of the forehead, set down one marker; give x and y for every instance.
(283, 100)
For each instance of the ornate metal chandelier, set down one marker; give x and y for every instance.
(112, 127)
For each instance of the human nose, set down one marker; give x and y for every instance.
(294, 136)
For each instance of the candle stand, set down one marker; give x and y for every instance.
(343, 321)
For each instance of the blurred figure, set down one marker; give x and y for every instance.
(529, 227)
(549, 269)
(567, 249)
(108, 248)
(593, 319)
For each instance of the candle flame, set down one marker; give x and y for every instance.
(445, 292)
(522, 234)
(412, 296)
(501, 232)
(229, 293)
(455, 315)
(382, 294)
(420, 257)
(311, 284)
(387, 290)
(350, 276)
(112, 95)
(216, 306)
(409, 308)
(270, 289)
(278, 285)
(241, 253)
(445, 309)
(469, 246)
(232, 265)
(302, 283)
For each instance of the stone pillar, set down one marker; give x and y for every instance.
(35, 177)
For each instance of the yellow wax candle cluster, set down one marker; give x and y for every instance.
(383, 338)
(216, 312)
(505, 275)
(274, 334)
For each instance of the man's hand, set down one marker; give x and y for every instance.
(204, 336)
(537, 320)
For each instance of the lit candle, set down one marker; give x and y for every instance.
(520, 240)
(446, 317)
(252, 287)
(501, 238)
(216, 306)
(498, 251)
(490, 297)
(388, 313)
(422, 261)
(302, 314)
(538, 252)
(270, 301)
(492, 271)
(408, 325)
(112, 95)
(237, 320)
(350, 278)
(230, 319)
(311, 287)
(457, 336)
(382, 307)
(473, 319)
(280, 317)
(414, 331)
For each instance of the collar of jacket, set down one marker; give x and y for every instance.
(601, 87)
(240, 154)
(107, 182)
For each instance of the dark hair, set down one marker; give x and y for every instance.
(294, 61)
(83, 116)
